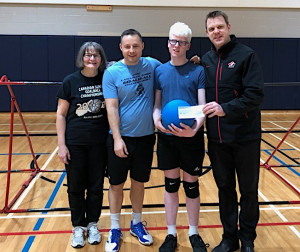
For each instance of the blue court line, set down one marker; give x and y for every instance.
(40, 220)
(280, 161)
(19, 154)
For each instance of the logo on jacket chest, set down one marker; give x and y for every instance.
(231, 64)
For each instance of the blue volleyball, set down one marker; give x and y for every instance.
(169, 114)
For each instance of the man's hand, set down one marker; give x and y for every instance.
(185, 131)
(120, 148)
(195, 59)
(159, 126)
(213, 109)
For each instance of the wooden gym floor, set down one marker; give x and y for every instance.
(278, 228)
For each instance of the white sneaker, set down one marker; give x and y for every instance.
(78, 237)
(139, 230)
(113, 241)
(94, 236)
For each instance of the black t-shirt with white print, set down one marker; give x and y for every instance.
(86, 121)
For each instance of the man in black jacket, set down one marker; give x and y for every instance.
(234, 92)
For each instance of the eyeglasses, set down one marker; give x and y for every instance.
(180, 42)
(92, 55)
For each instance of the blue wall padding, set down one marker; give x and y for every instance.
(50, 58)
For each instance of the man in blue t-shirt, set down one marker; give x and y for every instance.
(128, 93)
(180, 148)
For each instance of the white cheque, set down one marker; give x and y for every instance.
(185, 112)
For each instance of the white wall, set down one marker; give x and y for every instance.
(171, 3)
(54, 19)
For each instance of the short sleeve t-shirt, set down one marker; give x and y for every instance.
(86, 121)
(133, 87)
(179, 82)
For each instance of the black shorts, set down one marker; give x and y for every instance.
(184, 152)
(139, 160)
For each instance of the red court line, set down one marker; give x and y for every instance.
(148, 228)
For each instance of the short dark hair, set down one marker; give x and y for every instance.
(216, 13)
(131, 32)
(86, 47)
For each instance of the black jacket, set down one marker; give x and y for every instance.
(234, 79)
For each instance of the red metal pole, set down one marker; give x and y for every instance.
(25, 128)
(24, 186)
(9, 151)
(286, 181)
(14, 104)
(269, 167)
(282, 140)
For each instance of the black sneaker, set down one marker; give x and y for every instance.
(227, 246)
(247, 246)
(169, 244)
(198, 244)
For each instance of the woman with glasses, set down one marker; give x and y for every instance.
(82, 129)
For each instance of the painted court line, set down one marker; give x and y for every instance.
(284, 128)
(20, 124)
(26, 191)
(283, 163)
(29, 153)
(287, 143)
(106, 230)
(37, 226)
(279, 113)
(276, 210)
(40, 221)
(30, 131)
(36, 216)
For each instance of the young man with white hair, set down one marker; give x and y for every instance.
(180, 148)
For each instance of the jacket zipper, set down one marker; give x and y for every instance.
(218, 77)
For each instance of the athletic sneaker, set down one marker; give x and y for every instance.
(169, 244)
(113, 241)
(198, 244)
(78, 237)
(94, 236)
(139, 230)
